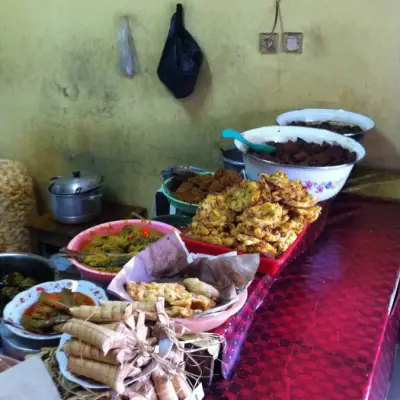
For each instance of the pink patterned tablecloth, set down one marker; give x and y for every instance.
(321, 330)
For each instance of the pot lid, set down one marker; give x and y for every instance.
(76, 182)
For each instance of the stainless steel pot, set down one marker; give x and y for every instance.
(76, 198)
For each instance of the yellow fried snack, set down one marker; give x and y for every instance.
(180, 302)
(219, 239)
(242, 196)
(264, 216)
(285, 242)
(213, 212)
(269, 213)
(253, 245)
(278, 179)
(151, 291)
(179, 312)
(308, 214)
(196, 286)
(256, 228)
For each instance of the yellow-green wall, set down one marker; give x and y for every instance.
(63, 105)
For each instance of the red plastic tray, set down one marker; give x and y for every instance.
(270, 266)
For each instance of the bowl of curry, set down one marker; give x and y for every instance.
(104, 249)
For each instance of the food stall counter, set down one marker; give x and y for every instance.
(328, 328)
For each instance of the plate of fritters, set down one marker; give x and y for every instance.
(265, 216)
(187, 299)
(192, 304)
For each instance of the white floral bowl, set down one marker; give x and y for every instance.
(321, 182)
(16, 307)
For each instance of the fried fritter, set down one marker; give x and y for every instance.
(257, 229)
(264, 216)
(242, 196)
(219, 239)
(282, 189)
(279, 179)
(213, 212)
(308, 214)
(296, 225)
(285, 242)
(179, 301)
(306, 201)
(252, 245)
(269, 213)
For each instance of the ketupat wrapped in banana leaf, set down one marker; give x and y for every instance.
(95, 335)
(162, 383)
(80, 349)
(147, 307)
(110, 375)
(141, 390)
(181, 386)
(111, 326)
(134, 368)
(107, 312)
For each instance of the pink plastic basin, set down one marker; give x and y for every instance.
(80, 241)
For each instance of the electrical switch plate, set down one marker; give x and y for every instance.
(269, 43)
(293, 42)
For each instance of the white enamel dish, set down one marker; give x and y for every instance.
(328, 115)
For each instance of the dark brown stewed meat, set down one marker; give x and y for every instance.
(330, 126)
(300, 152)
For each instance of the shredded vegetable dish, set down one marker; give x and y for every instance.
(109, 253)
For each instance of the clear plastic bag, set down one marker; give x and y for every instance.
(128, 62)
(17, 205)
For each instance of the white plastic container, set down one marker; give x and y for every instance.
(322, 182)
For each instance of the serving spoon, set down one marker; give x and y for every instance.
(263, 148)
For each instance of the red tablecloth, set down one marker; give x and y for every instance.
(323, 330)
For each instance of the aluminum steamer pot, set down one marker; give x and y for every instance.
(76, 198)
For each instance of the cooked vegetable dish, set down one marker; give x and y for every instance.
(198, 187)
(109, 253)
(256, 217)
(12, 284)
(300, 152)
(52, 309)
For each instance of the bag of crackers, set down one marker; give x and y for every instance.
(17, 205)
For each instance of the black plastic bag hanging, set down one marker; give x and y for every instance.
(181, 59)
